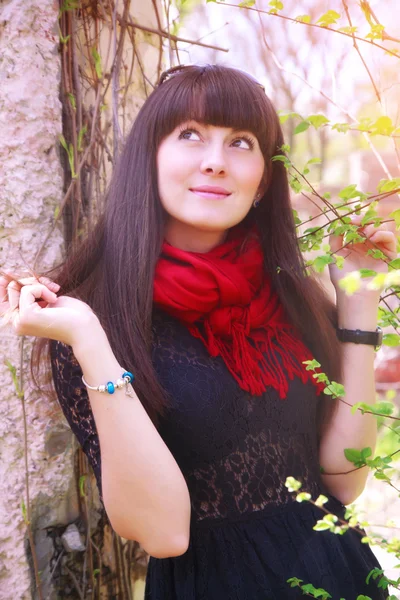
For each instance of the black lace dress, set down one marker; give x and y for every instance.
(248, 534)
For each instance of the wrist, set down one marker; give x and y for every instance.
(90, 336)
(357, 312)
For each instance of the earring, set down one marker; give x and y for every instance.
(257, 200)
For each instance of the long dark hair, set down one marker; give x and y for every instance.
(113, 269)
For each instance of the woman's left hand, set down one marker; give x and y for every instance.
(355, 254)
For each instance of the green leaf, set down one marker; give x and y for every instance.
(82, 486)
(365, 452)
(395, 264)
(341, 127)
(376, 32)
(351, 283)
(276, 4)
(311, 364)
(329, 18)
(72, 100)
(303, 18)
(337, 388)
(349, 192)
(63, 142)
(303, 126)
(321, 500)
(317, 120)
(391, 339)
(314, 161)
(320, 526)
(349, 30)
(295, 185)
(382, 126)
(388, 185)
(97, 62)
(24, 511)
(321, 261)
(367, 273)
(292, 484)
(352, 455)
(247, 4)
(80, 137)
(396, 216)
(339, 261)
(303, 497)
(284, 116)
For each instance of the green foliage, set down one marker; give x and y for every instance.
(276, 5)
(81, 134)
(329, 18)
(70, 152)
(303, 19)
(68, 5)
(97, 62)
(396, 216)
(82, 480)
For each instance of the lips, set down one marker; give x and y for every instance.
(211, 189)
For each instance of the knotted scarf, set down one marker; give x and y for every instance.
(225, 299)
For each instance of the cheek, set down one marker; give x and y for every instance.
(174, 168)
(250, 174)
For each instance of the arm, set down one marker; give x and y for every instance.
(145, 494)
(347, 430)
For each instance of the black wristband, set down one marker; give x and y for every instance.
(372, 338)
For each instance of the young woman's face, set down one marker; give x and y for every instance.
(195, 157)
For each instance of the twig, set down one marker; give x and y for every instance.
(357, 49)
(76, 583)
(346, 112)
(170, 36)
(78, 170)
(309, 25)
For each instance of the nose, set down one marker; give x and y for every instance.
(213, 162)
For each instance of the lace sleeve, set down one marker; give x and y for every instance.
(74, 401)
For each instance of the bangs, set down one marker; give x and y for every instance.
(221, 97)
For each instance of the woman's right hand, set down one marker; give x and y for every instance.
(33, 308)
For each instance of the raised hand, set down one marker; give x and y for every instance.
(32, 307)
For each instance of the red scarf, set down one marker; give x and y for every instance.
(225, 299)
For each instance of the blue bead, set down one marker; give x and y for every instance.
(128, 374)
(110, 387)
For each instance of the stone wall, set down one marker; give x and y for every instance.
(37, 448)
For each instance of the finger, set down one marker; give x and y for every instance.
(50, 283)
(369, 230)
(45, 280)
(13, 292)
(30, 293)
(386, 239)
(3, 290)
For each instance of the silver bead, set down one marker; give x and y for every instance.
(120, 383)
(102, 388)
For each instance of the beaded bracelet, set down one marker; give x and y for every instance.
(109, 387)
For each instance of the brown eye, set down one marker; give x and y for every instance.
(247, 139)
(185, 131)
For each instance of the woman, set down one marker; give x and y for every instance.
(191, 305)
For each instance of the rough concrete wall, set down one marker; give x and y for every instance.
(30, 188)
